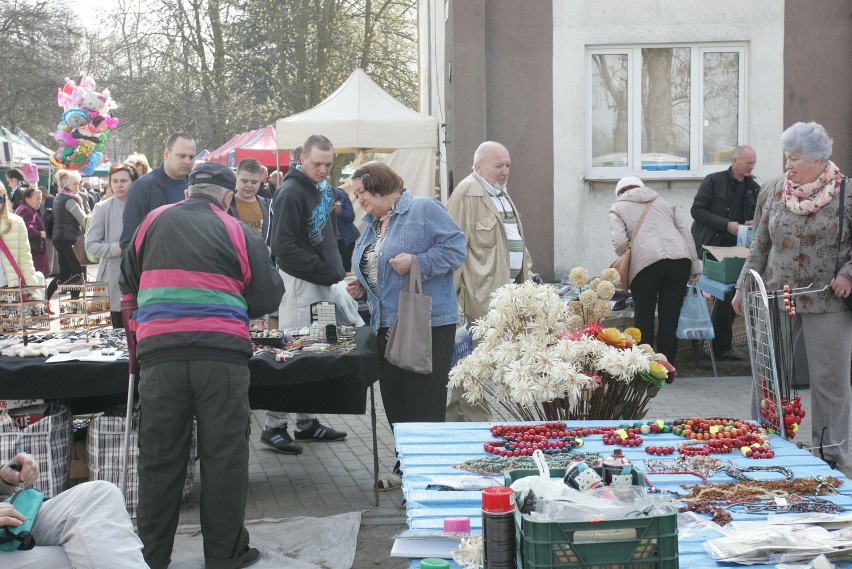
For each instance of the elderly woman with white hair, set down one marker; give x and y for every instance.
(803, 239)
(662, 260)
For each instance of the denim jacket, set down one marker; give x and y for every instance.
(421, 226)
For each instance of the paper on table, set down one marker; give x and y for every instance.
(95, 356)
(722, 253)
(419, 544)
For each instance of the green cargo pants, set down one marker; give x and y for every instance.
(216, 394)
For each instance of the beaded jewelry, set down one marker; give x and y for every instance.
(523, 440)
(496, 465)
(735, 471)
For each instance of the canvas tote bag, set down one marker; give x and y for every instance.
(410, 338)
(622, 264)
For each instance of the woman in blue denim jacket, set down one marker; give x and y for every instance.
(399, 226)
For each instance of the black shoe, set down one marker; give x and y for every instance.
(832, 464)
(319, 432)
(251, 557)
(729, 356)
(279, 439)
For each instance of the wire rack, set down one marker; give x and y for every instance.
(769, 336)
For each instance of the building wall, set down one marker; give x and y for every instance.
(515, 73)
(581, 235)
(498, 87)
(817, 82)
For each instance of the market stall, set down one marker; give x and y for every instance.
(331, 382)
(431, 453)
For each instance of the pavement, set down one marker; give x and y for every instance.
(337, 477)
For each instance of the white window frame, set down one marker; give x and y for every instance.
(697, 169)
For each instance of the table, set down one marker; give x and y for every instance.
(308, 383)
(427, 450)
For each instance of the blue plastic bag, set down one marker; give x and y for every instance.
(694, 322)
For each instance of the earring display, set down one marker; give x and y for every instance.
(89, 311)
(23, 309)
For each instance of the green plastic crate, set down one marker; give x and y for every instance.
(624, 543)
(725, 271)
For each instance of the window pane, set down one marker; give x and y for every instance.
(721, 105)
(665, 108)
(609, 110)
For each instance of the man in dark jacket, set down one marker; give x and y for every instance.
(198, 276)
(304, 243)
(347, 233)
(725, 200)
(160, 186)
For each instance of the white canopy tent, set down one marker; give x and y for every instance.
(361, 117)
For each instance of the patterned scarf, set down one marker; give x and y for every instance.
(805, 199)
(75, 195)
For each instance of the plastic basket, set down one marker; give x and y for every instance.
(624, 543)
(462, 349)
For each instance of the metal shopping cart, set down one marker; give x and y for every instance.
(769, 334)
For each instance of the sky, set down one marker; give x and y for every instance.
(91, 12)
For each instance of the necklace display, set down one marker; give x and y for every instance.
(496, 465)
(717, 499)
(523, 440)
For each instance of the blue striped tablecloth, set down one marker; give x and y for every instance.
(427, 450)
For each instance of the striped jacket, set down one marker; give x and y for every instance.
(198, 275)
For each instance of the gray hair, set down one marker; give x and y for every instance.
(808, 139)
(740, 150)
(211, 190)
(482, 149)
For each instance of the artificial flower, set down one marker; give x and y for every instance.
(578, 276)
(634, 333)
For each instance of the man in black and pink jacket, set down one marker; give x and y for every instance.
(198, 276)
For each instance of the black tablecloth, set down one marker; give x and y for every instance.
(308, 383)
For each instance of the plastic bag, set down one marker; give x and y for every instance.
(694, 322)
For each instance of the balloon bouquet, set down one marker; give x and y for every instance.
(82, 132)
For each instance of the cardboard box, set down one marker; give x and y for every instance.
(724, 264)
(26, 416)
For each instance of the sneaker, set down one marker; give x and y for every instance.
(251, 557)
(319, 432)
(279, 439)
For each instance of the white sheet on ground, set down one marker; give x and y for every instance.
(291, 543)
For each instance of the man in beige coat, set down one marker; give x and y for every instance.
(496, 253)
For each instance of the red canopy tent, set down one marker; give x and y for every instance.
(220, 155)
(259, 144)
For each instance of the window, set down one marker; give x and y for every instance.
(667, 109)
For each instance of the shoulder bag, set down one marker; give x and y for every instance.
(27, 501)
(622, 264)
(409, 344)
(12, 261)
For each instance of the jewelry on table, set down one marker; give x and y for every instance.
(496, 465)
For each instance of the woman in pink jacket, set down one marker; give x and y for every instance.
(662, 260)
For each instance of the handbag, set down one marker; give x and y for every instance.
(79, 248)
(848, 300)
(694, 322)
(622, 264)
(409, 344)
(36, 244)
(27, 501)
